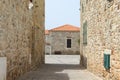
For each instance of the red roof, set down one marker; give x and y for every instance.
(46, 32)
(66, 27)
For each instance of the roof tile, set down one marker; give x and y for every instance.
(46, 32)
(66, 27)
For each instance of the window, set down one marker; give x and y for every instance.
(85, 33)
(68, 43)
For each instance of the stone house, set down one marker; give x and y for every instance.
(47, 42)
(21, 30)
(63, 40)
(100, 30)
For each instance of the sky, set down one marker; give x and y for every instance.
(61, 12)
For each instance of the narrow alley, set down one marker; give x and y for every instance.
(55, 69)
(52, 39)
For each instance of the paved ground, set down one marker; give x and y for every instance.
(62, 59)
(62, 68)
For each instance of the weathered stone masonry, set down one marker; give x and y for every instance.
(103, 32)
(58, 42)
(21, 35)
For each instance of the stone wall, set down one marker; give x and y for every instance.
(48, 44)
(21, 35)
(103, 32)
(59, 42)
(38, 33)
(48, 38)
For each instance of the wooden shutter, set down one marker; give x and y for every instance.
(85, 32)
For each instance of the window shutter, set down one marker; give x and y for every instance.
(85, 32)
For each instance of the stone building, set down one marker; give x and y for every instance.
(47, 42)
(100, 30)
(21, 37)
(63, 40)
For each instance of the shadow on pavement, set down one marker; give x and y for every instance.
(61, 67)
(50, 72)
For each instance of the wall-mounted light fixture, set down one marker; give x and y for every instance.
(30, 4)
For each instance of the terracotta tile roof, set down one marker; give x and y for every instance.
(66, 27)
(46, 32)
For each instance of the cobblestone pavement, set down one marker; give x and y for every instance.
(58, 69)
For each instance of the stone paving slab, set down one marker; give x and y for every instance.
(59, 72)
(62, 59)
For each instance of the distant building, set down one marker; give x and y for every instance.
(47, 42)
(63, 40)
